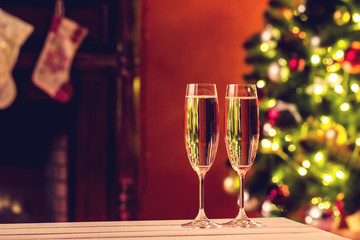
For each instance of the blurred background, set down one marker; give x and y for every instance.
(107, 143)
(115, 148)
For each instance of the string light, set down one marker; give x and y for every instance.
(301, 8)
(344, 107)
(288, 14)
(315, 59)
(341, 16)
(292, 148)
(267, 208)
(261, 84)
(303, 17)
(355, 87)
(275, 179)
(288, 138)
(295, 30)
(272, 132)
(339, 174)
(282, 62)
(306, 164)
(356, 17)
(315, 212)
(267, 127)
(334, 67)
(327, 178)
(319, 156)
(318, 89)
(324, 119)
(338, 88)
(315, 41)
(302, 35)
(339, 55)
(308, 219)
(275, 146)
(333, 77)
(16, 208)
(324, 205)
(271, 53)
(330, 134)
(315, 200)
(328, 61)
(302, 171)
(271, 103)
(264, 47)
(357, 142)
(228, 182)
(266, 143)
(266, 35)
(342, 43)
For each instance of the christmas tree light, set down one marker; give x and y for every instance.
(306, 67)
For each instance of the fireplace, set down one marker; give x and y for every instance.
(70, 161)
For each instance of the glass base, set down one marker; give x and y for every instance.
(242, 223)
(203, 223)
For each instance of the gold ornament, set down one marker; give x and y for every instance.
(341, 16)
(231, 184)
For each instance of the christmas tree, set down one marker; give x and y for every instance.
(307, 70)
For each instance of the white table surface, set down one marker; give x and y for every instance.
(274, 228)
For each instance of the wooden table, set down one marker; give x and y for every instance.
(275, 228)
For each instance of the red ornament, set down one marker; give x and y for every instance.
(272, 122)
(273, 113)
(351, 63)
(296, 64)
(279, 195)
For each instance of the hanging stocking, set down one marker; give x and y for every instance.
(51, 73)
(13, 34)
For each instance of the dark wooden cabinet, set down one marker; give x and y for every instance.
(76, 161)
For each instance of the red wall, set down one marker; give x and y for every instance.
(184, 42)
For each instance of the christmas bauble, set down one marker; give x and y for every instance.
(319, 217)
(277, 201)
(231, 184)
(336, 135)
(342, 16)
(296, 64)
(279, 195)
(351, 62)
(278, 73)
(284, 114)
(315, 41)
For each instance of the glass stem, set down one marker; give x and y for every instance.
(201, 214)
(242, 213)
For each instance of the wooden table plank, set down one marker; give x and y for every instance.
(274, 228)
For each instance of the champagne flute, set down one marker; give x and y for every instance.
(241, 139)
(201, 139)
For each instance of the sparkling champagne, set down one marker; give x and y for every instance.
(241, 131)
(201, 131)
